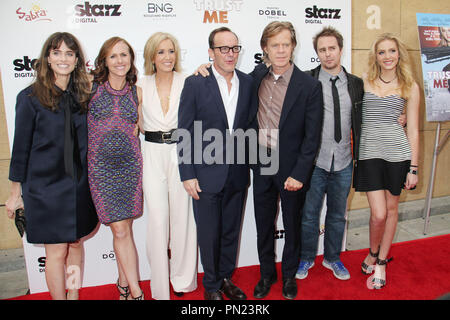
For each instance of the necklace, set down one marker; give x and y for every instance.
(384, 81)
(164, 98)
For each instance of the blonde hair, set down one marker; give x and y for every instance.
(444, 41)
(404, 68)
(274, 28)
(150, 51)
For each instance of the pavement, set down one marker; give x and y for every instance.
(14, 280)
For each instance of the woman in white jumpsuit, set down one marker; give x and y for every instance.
(171, 232)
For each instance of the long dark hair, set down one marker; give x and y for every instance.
(101, 72)
(44, 85)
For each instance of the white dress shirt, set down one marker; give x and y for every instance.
(229, 98)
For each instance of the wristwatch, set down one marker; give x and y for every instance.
(412, 171)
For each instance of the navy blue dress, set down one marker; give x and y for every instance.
(58, 207)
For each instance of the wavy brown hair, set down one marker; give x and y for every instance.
(44, 85)
(274, 28)
(101, 72)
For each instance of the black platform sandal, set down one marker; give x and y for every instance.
(141, 297)
(124, 292)
(377, 282)
(368, 269)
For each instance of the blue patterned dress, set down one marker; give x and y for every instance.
(114, 156)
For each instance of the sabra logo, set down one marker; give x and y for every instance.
(89, 66)
(35, 14)
(97, 10)
(216, 11)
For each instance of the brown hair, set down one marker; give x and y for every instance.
(274, 28)
(329, 32)
(101, 72)
(44, 85)
(216, 31)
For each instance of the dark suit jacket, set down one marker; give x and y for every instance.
(201, 101)
(300, 124)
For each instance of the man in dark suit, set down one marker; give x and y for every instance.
(288, 116)
(214, 106)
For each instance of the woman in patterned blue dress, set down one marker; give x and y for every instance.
(388, 157)
(114, 156)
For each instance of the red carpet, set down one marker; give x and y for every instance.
(420, 271)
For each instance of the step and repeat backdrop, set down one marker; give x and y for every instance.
(26, 24)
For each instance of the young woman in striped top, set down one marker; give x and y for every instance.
(388, 156)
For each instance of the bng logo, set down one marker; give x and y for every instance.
(160, 10)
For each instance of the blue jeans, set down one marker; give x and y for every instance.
(336, 184)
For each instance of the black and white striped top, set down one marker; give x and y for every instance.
(382, 137)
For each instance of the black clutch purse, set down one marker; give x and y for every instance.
(20, 221)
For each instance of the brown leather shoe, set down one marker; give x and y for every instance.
(215, 295)
(232, 291)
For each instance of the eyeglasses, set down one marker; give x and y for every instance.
(225, 49)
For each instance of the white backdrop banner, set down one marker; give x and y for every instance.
(26, 24)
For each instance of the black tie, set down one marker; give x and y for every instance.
(337, 110)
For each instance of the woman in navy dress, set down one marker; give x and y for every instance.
(48, 163)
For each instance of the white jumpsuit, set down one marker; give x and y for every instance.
(171, 223)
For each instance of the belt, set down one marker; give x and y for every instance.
(160, 136)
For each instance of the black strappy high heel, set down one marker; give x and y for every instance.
(377, 282)
(123, 291)
(365, 268)
(141, 297)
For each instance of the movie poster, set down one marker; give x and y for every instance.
(434, 37)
